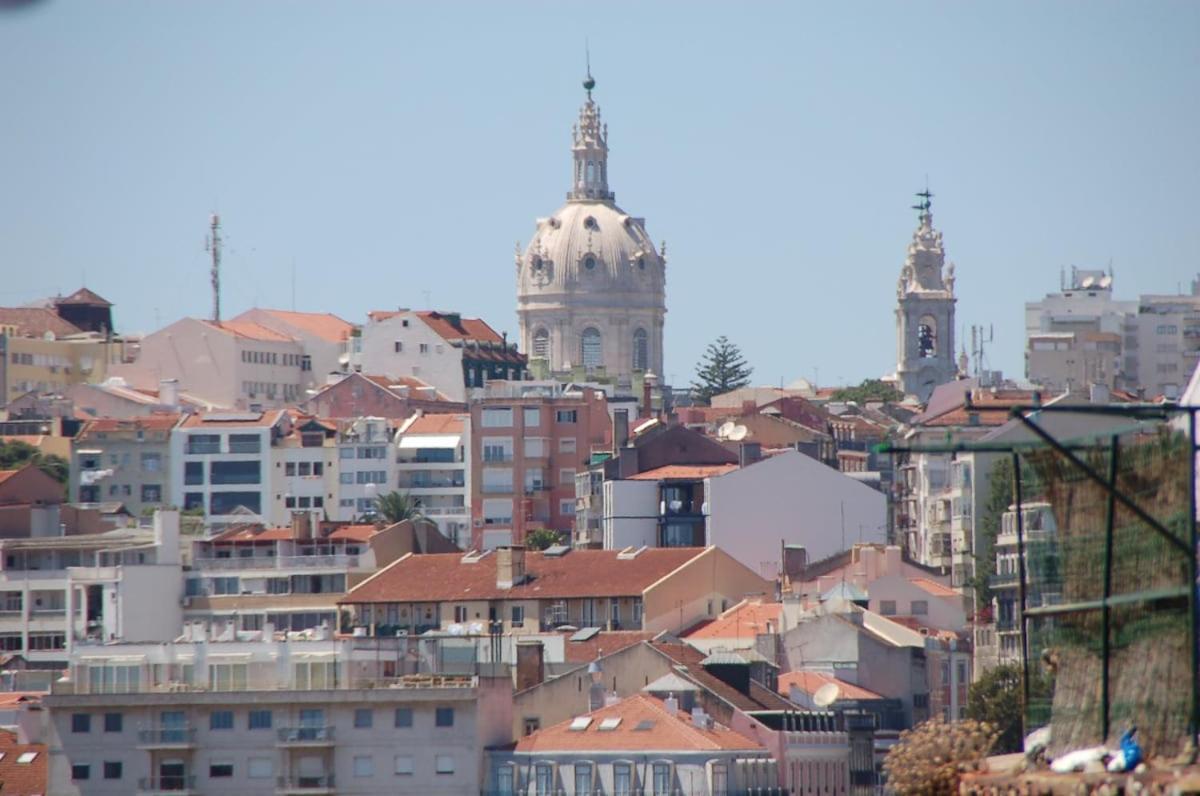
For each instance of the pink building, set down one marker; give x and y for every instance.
(528, 440)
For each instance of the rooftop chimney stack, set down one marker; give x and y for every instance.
(620, 428)
(510, 566)
(301, 526)
(168, 393)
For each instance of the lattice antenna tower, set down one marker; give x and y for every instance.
(213, 247)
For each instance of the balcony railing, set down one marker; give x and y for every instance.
(497, 458)
(497, 489)
(444, 511)
(245, 447)
(167, 736)
(305, 735)
(167, 783)
(301, 784)
(196, 448)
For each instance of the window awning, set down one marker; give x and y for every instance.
(431, 441)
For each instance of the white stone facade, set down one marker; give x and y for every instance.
(925, 312)
(591, 284)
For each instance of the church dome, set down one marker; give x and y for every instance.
(589, 244)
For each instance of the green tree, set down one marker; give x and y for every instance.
(997, 699)
(988, 522)
(869, 390)
(15, 454)
(397, 506)
(541, 538)
(721, 369)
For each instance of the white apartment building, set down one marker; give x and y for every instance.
(324, 336)
(221, 463)
(366, 466)
(269, 716)
(58, 590)
(432, 466)
(303, 470)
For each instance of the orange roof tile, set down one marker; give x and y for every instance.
(744, 620)
(465, 329)
(683, 471)
(933, 587)
(437, 424)
(325, 325)
(22, 779)
(36, 322)
(251, 331)
(811, 682)
(156, 422)
(642, 723)
(354, 533)
(688, 657)
(444, 577)
(606, 642)
(83, 296)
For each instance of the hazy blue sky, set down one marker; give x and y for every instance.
(393, 153)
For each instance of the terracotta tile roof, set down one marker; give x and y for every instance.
(250, 331)
(744, 620)
(22, 779)
(354, 533)
(933, 587)
(811, 682)
(382, 315)
(445, 577)
(253, 533)
(325, 325)
(83, 296)
(224, 419)
(606, 642)
(414, 385)
(437, 424)
(465, 329)
(36, 322)
(660, 732)
(690, 658)
(683, 471)
(157, 422)
(10, 698)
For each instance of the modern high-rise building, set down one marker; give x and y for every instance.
(590, 284)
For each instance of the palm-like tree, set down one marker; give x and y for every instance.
(398, 506)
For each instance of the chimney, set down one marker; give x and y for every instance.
(510, 566)
(795, 560)
(749, 453)
(620, 428)
(671, 705)
(646, 384)
(301, 526)
(596, 689)
(168, 392)
(700, 719)
(1099, 394)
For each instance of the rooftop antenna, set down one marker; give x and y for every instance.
(589, 82)
(213, 246)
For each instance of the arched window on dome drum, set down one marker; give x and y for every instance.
(591, 348)
(641, 350)
(541, 344)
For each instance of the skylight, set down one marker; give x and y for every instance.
(27, 757)
(580, 723)
(610, 724)
(643, 725)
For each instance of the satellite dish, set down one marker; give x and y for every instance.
(1088, 281)
(826, 695)
(738, 433)
(726, 429)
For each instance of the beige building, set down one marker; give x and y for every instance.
(526, 592)
(125, 461)
(268, 716)
(591, 286)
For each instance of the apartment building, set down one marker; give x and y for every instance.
(324, 336)
(303, 469)
(604, 751)
(221, 463)
(366, 466)
(59, 586)
(526, 592)
(360, 395)
(272, 715)
(452, 353)
(528, 442)
(238, 364)
(433, 467)
(290, 577)
(126, 461)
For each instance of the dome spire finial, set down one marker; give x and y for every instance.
(589, 82)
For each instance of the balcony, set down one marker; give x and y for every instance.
(331, 561)
(305, 785)
(497, 489)
(1003, 580)
(432, 480)
(305, 736)
(497, 458)
(167, 738)
(202, 448)
(245, 447)
(152, 786)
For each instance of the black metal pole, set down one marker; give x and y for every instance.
(1106, 611)
(1018, 497)
(1194, 722)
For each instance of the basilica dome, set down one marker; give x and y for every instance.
(590, 283)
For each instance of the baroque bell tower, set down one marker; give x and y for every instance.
(925, 311)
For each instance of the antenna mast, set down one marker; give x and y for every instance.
(214, 247)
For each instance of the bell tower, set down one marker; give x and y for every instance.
(925, 310)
